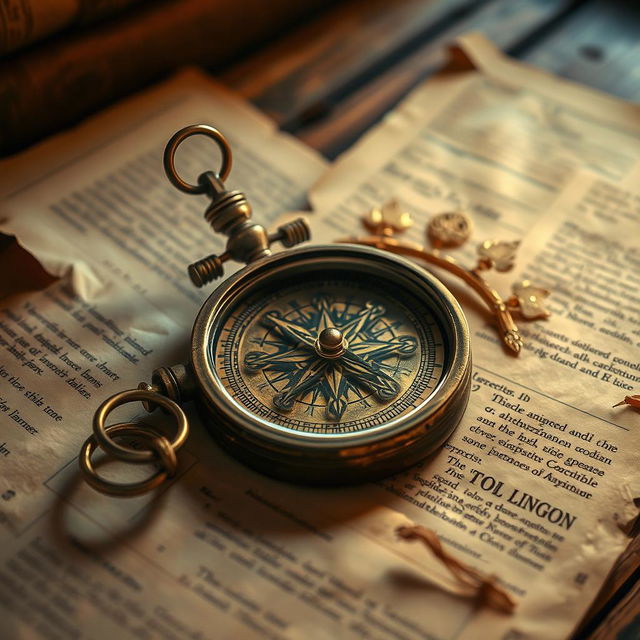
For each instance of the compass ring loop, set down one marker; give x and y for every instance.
(159, 446)
(177, 139)
(122, 452)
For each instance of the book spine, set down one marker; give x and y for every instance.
(23, 22)
(51, 87)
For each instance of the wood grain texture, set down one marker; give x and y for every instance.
(623, 622)
(622, 578)
(346, 47)
(50, 87)
(23, 22)
(505, 22)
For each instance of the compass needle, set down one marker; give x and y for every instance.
(326, 310)
(288, 329)
(336, 384)
(305, 380)
(403, 346)
(365, 373)
(255, 360)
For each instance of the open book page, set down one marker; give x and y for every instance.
(129, 207)
(492, 136)
(223, 551)
(541, 474)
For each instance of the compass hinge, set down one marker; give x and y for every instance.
(229, 213)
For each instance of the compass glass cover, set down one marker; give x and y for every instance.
(329, 352)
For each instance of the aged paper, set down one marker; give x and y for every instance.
(224, 552)
(542, 471)
(492, 136)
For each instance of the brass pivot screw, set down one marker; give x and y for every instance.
(331, 343)
(292, 233)
(229, 213)
(207, 269)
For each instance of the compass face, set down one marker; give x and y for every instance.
(331, 364)
(329, 352)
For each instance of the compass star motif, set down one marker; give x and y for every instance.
(331, 352)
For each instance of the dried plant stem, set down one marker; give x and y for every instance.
(482, 588)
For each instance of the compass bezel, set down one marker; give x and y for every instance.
(308, 455)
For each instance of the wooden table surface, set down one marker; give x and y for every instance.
(331, 79)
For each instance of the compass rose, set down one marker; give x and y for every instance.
(330, 352)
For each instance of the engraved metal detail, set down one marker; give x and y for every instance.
(388, 219)
(499, 255)
(330, 352)
(529, 300)
(449, 229)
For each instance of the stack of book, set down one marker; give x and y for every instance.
(61, 60)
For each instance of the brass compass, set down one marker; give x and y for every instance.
(322, 364)
(331, 363)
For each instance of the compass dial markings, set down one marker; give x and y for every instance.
(291, 358)
(365, 373)
(355, 329)
(386, 370)
(289, 329)
(326, 310)
(304, 380)
(336, 384)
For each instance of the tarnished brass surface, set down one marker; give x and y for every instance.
(158, 446)
(128, 454)
(178, 138)
(265, 322)
(229, 212)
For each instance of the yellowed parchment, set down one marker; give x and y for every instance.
(225, 552)
(542, 469)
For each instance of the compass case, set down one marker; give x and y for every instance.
(407, 433)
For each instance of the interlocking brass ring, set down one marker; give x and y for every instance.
(181, 136)
(155, 440)
(128, 454)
